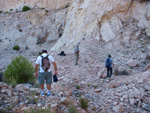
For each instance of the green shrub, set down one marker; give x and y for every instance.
(16, 47)
(27, 47)
(46, 110)
(72, 109)
(131, 67)
(83, 103)
(124, 72)
(94, 108)
(6, 12)
(40, 53)
(94, 86)
(77, 86)
(20, 70)
(26, 8)
(67, 6)
(89, 85)
(1, 11)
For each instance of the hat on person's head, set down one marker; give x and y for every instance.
(109, 55)
(44, 51)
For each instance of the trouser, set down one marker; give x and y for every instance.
(109, 71)
(76, 59)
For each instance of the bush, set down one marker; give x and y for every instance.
(67, 6)
(77, 86)
(40, 53)
(19, 71)
(16, 47)
(89, 85)
(124, 72)
(46, 110)
(94, 86)
(26, 8)
(72, 109)
(84, 103)
(117, 72)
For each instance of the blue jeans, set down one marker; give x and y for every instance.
(109, 71)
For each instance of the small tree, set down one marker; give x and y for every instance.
(20, 70)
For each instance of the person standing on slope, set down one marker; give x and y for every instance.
(45, 73)
(77, 53)
(109, 65)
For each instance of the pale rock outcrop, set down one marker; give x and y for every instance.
(135, 93)
(114, 85)
(6, 5)
(118, 109)
(87, 19)
(54, 106)
(97, 90)
(66, 100)
(132, 63)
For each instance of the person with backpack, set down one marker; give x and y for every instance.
(109, 65)
(76, 53)
(45, 62)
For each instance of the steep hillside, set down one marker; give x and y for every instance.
(117, 27)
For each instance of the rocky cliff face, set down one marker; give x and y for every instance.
(16, 5)
(105, 21)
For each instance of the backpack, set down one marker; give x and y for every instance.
(108, 63)
(45, 63)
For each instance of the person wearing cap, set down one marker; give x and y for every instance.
(45, 75)
(109, 65)
(76, 53)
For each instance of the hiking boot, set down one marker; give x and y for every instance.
(42, 94)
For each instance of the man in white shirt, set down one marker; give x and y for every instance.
(45, 75)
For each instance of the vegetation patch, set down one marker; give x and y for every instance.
(46, 110)
(67, 6)
(83, 103)
(72, 109)
(6, 12)
(78, 87)
(40, 53)
(20, 30)
(89, 85)
(16, 47)
(19, 71)
(94, 86)
(124, 72)
(26, 8)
